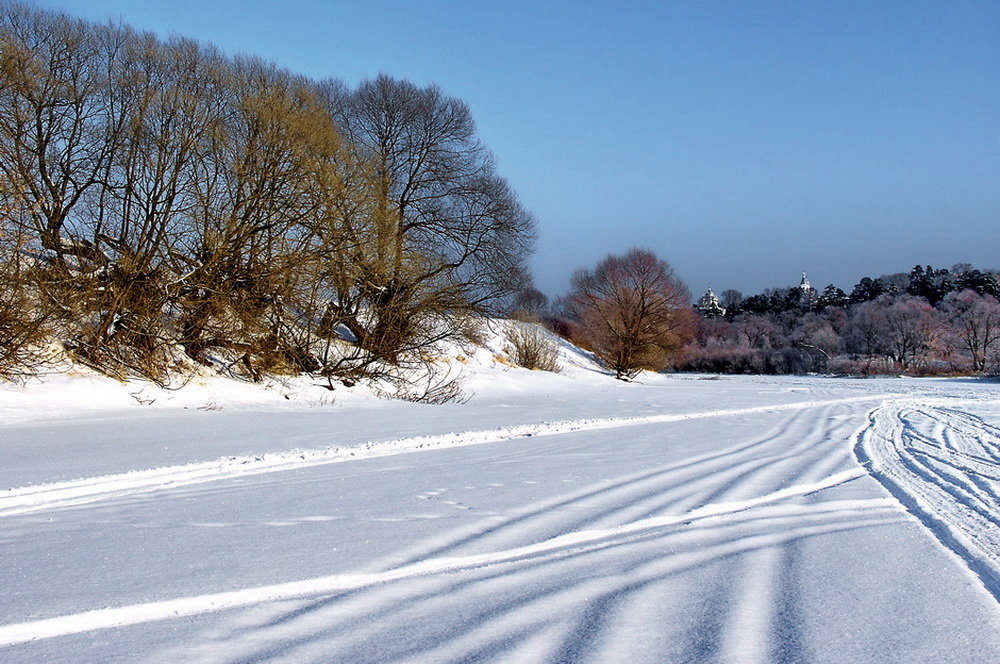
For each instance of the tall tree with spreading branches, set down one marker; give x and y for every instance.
(634, 310)
(444, 232)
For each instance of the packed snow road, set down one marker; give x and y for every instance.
(757, 520)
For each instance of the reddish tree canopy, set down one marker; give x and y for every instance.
(634, 310)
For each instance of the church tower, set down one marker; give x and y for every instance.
(809, 294)
(708, 305)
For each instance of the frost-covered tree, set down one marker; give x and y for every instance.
(975, 323)
(901, 329)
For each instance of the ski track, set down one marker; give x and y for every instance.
(574, 577)
(777, 524)
(583, 611)
(802, 449)
(941, 464)
(38, 497)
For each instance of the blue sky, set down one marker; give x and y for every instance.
(744, 142)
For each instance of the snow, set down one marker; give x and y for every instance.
(549, 518)
(944, 466)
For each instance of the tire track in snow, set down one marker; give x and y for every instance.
(39, 497)
(606, 505)
(586, 594)
(972, 432)
(795, 451)
(731, 474)
(747, 638)
(935, 461)
(568, 544)
(567, 595)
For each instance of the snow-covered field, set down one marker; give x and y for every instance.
(550, 518)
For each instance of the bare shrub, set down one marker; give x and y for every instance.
(432, 388)
(472, 329)
(423, 380)
(530, 347)
(418, 372)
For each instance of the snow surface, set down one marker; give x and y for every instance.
(550, 518)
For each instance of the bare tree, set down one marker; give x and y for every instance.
(68, 103)
(975, 320)
(634, 310)
(266, 184)
(160, 194)
(902, 329)
(730, 298)
(912, 326)
(59, 125)
(759, 331)
(167, 95)
(24, 318)
(444, 232)
(529, 304)
(815, 334)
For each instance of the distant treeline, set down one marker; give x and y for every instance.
(634, 313)
(161, 201)
(928, 322)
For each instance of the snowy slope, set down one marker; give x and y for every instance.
(550, 518)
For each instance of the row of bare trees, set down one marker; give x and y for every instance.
(157, 195)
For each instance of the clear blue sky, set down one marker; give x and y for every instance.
(742, 141)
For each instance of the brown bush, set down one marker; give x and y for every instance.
(530, 347)
(23, 315)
